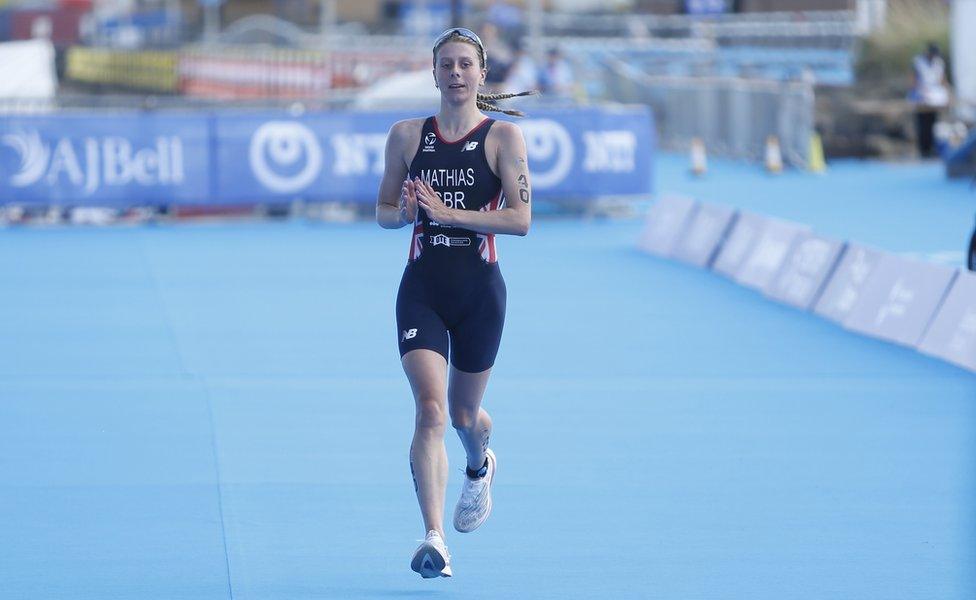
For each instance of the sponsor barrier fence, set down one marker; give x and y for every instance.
(222, 158)
(926, 306)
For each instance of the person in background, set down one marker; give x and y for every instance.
(500, 55)
(523, 74)
(930, 93)
(556, 76)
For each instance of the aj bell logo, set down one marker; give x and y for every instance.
(429, 140)
(409, 334)
(469, 146)
(93, 162)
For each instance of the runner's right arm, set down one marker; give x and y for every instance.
(393, 208)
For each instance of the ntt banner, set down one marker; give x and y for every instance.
(93, 159)
(576, 153)
(147, 158)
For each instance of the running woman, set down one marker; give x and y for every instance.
(459, 178)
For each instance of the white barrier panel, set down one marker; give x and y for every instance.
(768, 253)
(708, 227)
(745, 231)
(665, 223)
(899, 300)
(809, 263)
(952, 334)
(844, 287)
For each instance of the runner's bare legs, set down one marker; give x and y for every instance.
(427, 372)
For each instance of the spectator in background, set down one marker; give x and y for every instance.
(500, 55)
(523, 73)
(556, 76)
(506, 17)
(930, 93)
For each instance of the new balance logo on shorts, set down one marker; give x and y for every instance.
(409, 334)
(469, 146)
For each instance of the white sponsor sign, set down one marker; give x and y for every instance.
(285, 156)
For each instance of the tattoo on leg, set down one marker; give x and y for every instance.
(485, 434)
(416, 488)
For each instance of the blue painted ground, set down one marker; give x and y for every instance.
(218, 411)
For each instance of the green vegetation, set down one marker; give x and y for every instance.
(886, 56)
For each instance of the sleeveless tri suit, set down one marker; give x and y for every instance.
(452, 295)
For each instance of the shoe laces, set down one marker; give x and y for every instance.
(437, 541)
(472, 489)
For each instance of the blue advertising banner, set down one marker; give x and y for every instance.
(94, 159)
(573, 153)
(227, 157)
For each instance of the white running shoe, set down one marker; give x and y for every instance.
(474, 506)
(432, 559)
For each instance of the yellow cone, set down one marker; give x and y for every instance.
(817, 162)
(774, 157)
(699, 161)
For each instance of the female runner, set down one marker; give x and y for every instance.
(459, 178)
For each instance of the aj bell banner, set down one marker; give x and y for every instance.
(97, 159)
(266, 157)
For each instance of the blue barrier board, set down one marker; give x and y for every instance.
(707, 229)
(805, 270)
(899, 300)
(767, 254)
(745, 231)
(845, 285)
(665, 224)
(952, 334)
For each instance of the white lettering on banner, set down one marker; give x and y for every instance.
(34, 156)
(859, 270)
(277, 153)
(609, 151)
(965, 332)
(359, 153)
(897, 304)
(548, 143)
(810, 255)
(65, 159)
(107, 161)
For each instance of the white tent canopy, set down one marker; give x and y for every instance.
(27, 70)
(405, 90)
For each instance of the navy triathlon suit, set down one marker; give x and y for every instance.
(452, 295)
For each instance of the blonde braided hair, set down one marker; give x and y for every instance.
(485, 102)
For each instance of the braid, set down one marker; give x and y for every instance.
(486, 102)
(494, 97)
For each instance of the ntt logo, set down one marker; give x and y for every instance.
(550, 149)
(285, 156)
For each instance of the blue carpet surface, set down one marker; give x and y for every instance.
(218, 411)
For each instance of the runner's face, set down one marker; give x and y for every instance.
(458, 72)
